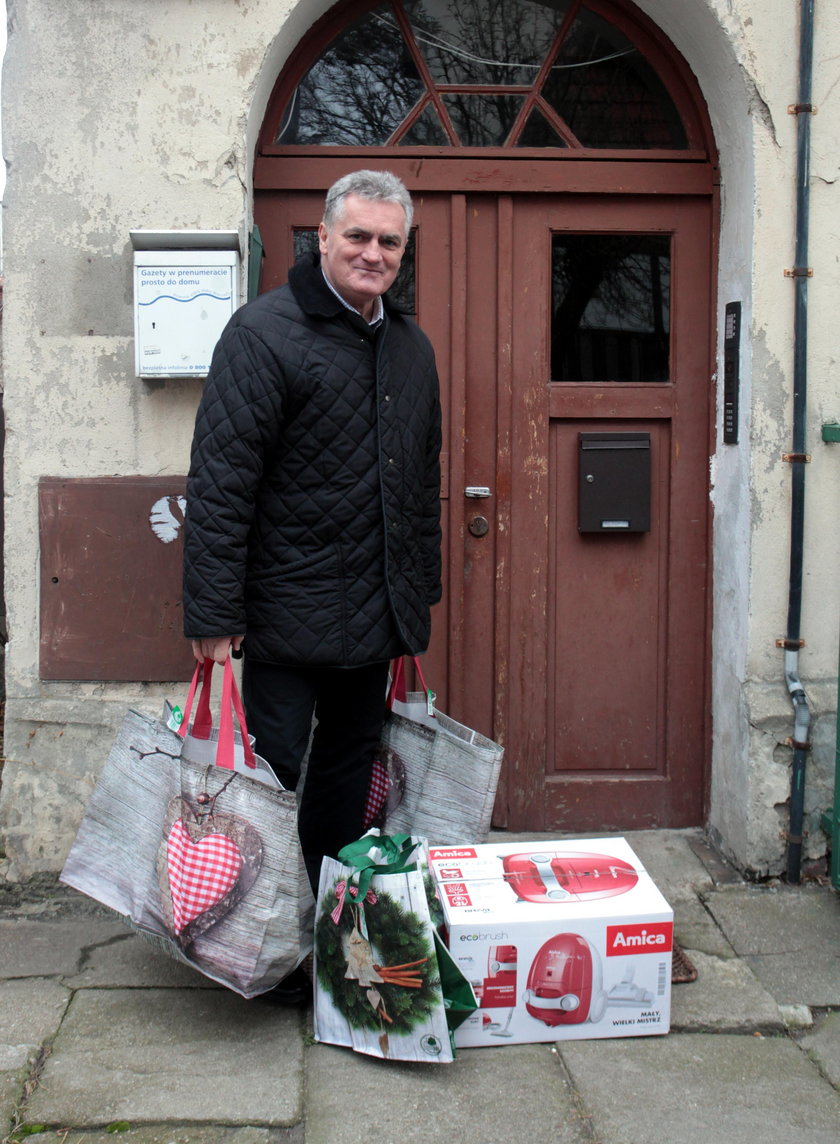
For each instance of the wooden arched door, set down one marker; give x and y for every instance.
(568, 292)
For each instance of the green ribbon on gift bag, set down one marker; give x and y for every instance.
(396, 852)
(393, 855)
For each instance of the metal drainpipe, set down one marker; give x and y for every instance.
(798, 459)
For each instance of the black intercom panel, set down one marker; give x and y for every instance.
(731, 372)
(614, 482)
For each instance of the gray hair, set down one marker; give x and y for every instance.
(380, 185)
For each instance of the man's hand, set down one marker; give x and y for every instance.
(217, 648)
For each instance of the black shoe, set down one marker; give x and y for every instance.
(293, 990)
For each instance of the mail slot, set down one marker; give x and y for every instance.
(614, 482)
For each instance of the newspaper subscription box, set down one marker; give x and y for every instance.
(562, 940)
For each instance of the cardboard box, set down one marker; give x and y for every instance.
(562, 940)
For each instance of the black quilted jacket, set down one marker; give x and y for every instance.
(313, 513)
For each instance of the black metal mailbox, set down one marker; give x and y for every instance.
(614, 482)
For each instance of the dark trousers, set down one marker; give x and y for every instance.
(349, 705)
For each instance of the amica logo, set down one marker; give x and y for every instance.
(652, 937)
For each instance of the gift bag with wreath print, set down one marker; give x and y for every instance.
(384, 982)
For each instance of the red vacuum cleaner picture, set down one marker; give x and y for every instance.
(571, 876)
(566, 987)
(564, 984)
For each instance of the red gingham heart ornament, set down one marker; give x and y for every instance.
(386, 788)
(377, 795)
(201, 872)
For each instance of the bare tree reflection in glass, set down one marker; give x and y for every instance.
(611, 308)
(482, 73)
(358, 92)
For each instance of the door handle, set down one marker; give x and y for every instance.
(477, 492)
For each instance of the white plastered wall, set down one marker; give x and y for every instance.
(744, 54)
(121, 116)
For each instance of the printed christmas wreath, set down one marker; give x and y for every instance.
(388, 979)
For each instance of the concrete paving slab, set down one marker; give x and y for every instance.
(695, 928)
(670, 859)
(726, 997)
(180, 1134)
(45, 948)
(517, 1092)
(702, 1087)
(823, 1046)
(30, 1013)
(149, 1056)
(11, 1088)
(130, 960)
(789, 936)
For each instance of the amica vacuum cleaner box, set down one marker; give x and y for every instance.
(560, 940)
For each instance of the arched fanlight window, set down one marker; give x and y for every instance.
(483, 73)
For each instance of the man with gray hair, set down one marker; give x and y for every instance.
(313, 517)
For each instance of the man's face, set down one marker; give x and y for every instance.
(362, 251)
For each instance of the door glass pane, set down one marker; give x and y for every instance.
(610, 307)
(484, 41)
(403, 293)
(355, 94)
(426, 131)
(538, 132)
(483, 120)
(607, 92)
